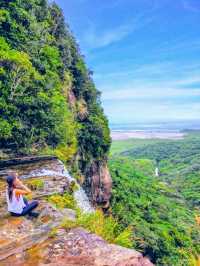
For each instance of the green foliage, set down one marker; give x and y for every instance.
(53, 233)
(5, 128)
(178, 164)
(3, 15)
(62, 201)
(145, 166)
(104, 226)
(73, 187)
(119, 146)
(35, 184)
(40, 64)
(50, 57)
(124, 239)
(164, 228)
(94, 136)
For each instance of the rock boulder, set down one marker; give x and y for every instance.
(77, 247)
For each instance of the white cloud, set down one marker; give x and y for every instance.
(149, 92)
(95, 37)
(136, 111)
(179, 45)
(96, 40)
(149, 99)
(151, 81)
(159, 70)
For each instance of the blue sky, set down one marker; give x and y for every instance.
(145, 55)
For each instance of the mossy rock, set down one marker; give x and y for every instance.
(62, 201)
(3, 155)
(73, 187)
(35, 184)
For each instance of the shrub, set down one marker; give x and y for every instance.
(35, 184)
(73, 187)
(105, 226)
(125, 238)
(62, 201)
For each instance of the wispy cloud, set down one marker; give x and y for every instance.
(95, 37)
(95, 40)
(159, 70)
(153, 81)
(144, 53)
(163, 90)
(144, 92)
(151, 111)
(179, 46)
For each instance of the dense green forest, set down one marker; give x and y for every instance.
(179, 164)
(163, 211)
(48, 101)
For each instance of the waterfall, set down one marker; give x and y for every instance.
(79, 194)
(156, 172)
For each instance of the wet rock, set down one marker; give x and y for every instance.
(71, 98)
(98, 184)
(24, 160)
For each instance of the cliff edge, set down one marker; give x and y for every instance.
(47, 240)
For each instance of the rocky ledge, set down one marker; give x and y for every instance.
(42, 241)
(21, 233)
(77, 247)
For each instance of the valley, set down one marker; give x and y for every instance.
(163, 211)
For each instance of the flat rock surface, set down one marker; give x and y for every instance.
(19, 233)
(77, 247)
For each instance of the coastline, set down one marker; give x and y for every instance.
(147, 134)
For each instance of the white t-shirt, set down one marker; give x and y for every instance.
(15, 205)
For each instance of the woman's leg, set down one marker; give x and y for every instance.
(25, 201)
(31, 206)
(15, 214)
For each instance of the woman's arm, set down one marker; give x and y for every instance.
(21, 186)
(19, 192)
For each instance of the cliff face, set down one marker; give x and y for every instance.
(45, 240)
(99, 184)
(48, 101)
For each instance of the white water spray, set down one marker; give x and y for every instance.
(80, 196)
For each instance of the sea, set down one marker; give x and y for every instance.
(175, 126)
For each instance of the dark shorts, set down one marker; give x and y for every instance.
(28, 208)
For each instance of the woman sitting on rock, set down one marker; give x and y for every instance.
(17, 203)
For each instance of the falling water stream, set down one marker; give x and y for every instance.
(79, 194)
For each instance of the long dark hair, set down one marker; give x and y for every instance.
(10, 181)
